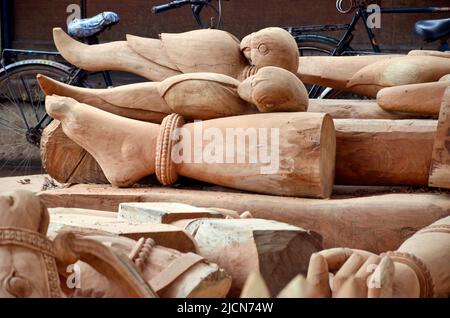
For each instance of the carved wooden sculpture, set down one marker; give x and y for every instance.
(241, 246)
(335, 71)
(358, 109)
(170, 273)
(344, 220)
(424, 98)
(440, 164)
(67, 162)
(398, 71)
(190, 52)
(31, 264)
(418, 268)
(135, 149)
(193, 96)
(101, 222)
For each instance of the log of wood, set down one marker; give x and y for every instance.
(440, 164)
(369, 152)
(405, 70)
(357, 109)
(342, 221)
(384, 152)
(59, 154)
(424, 98)
(66, 161)
(63, 219)
(334, 71)
(136, 149)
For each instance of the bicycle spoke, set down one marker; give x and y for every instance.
(30, 97)
(16, 104)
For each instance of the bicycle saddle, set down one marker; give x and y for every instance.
(431, 30)
(83, 28)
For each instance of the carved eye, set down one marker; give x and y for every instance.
(17, 286)
(263, 49)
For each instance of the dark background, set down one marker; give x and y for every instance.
(32, 20)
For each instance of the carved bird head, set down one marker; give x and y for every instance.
(271, 47)
(274, 89)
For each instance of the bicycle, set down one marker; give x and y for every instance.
(22, 110)
(320, 44)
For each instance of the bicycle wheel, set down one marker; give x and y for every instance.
(319, 45)
(23, 115)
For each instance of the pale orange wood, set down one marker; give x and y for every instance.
(440, 165)
(62, 219)
(342, 221)
(334, 71)
(357, 109)
(129, 153)
(66, 161)
(384, 152)
(195, 51)
(424, 98)
(398, 71)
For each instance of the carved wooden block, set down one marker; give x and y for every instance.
(440, 165)
(163, 212)
(62, 219)
(277, 250)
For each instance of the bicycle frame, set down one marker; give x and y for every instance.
(361, 13)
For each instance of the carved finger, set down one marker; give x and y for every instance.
(349, 269)
(318, 275)
(336, 257)
(352, 288)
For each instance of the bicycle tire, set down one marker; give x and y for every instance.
(22, 107)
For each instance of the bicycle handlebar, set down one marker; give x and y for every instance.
(176, 4)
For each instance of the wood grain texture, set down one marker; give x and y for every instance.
(334, 71)
(277, 250)
(423, 98)
(440, 165)
(384, 152)
(357, 109)
(66, 161)
(342, 221)
(62, 219)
